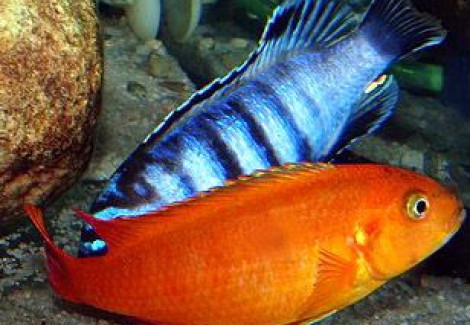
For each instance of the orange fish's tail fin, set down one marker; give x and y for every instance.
(58, 262)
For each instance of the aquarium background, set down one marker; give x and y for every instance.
(146, 79)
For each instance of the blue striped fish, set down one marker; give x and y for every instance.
(315, 84)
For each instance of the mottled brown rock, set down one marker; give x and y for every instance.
(50, 75)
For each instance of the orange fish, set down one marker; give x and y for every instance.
(292, 244)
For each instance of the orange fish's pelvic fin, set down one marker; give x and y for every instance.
(57, 261)
(315, 319)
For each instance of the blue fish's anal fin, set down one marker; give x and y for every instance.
(374, 108)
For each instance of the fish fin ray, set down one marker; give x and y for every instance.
(334, 275)
(284, 36)
(245, 185)
(276, 173)
(57, 261)
(373, 110)
(126, 231)
(115, 232)
(36, 216)
(300, 26)
(407, 30)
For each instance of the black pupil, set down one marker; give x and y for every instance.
(421, 207)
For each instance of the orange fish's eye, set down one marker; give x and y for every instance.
(417, 206)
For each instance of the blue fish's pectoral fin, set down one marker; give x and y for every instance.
(406, 30)
(374, 108)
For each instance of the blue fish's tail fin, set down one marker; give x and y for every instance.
(398, 30)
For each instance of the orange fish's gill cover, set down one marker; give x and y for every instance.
(287, 245)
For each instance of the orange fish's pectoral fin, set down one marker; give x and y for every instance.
(335, 276)
(58, 262)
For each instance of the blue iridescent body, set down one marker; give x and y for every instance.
(309, 90)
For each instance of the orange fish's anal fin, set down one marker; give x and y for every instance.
(58, 262)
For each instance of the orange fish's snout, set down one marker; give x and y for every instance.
(460, 213)
(453, 224)
(421, 218)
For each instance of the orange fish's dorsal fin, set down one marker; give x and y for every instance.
(257, 178)
(128, 231)
(58, 262)
(278, 173)
(116, 232)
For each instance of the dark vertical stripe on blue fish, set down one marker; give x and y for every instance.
(211, 135)
(256, 132)
(166, 167)
(266, 90)
(136, 190)
(123, 193)
(238, 138)
(297, 98)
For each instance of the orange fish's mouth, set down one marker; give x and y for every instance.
(455, 226)
(462, 215)
(460, 219)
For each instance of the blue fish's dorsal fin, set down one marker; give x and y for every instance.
(296, 27)
(300, 26)
(374, 108)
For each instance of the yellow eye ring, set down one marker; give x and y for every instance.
(417, 206)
